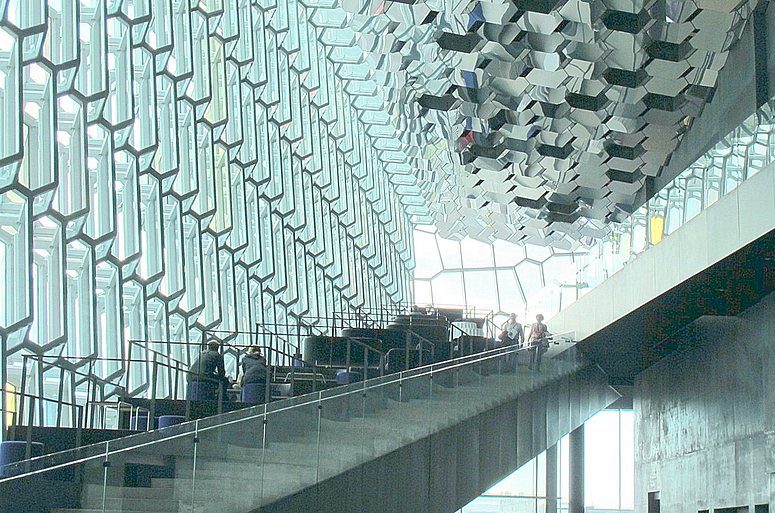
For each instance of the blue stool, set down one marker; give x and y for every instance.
(202, 390)
(170, 420)
(343, 377)
(139, 423)
(12, 452)
(253, 393)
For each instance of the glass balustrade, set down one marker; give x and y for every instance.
(248, 458)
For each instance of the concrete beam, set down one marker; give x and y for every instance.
(718, 263)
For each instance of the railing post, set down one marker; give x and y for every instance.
(20, 407)
(59, 396)
(41, 391)
(31, 417)
(154, 377)
(221, 392)
(365, 363)
(128, 367)
(293, 377)
(79, 424)
(89, 391)
(408, 351)
(267, 383)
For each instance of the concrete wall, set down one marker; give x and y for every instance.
(705, 418)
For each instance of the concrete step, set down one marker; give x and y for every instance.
(301, 450)
(231, 495)
(66, 510)
(131, 492)
(130, 503)
(234, 474)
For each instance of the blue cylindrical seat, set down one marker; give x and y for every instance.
(202, 390)
(170, 420)
(253, 393)
(14, 451)
(344, 377)
(139, 422)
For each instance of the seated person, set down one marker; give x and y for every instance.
(209, 366)
(254, 370)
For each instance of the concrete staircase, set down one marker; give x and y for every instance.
(253, 463)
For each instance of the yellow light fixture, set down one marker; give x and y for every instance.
(657, 229)
(10, 404)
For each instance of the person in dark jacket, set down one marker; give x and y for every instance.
(254, 370)
(209, 366)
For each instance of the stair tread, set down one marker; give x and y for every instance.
(231, 478)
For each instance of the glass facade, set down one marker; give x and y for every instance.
(174, 168)
(609, 469)
(501, 276)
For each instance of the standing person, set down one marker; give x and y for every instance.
(513, 332)
(209, 366)
(539, 342)
(254, 370)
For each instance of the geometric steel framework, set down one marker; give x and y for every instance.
(498, 276)
(170, 167)
(531, 279)
(541, 120)
(745, 151)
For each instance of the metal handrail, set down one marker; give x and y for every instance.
(19, 410)
(92, 380)
(271, 333)
(137, 342)
(185, 429)
(145, 440)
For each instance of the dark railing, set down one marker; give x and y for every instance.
(496, 361)
(164, 376)
(178, 367)
(95, 385)
(17, 413)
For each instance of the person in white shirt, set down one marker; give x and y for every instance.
(513, 332)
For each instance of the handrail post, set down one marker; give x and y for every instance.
(59, 396)
(31, 416)
(128, 368)
(221, 392)
(154, 376)
(28, 440)
(79, 427)
(408, 351)
(365, 362)
(267, 384)
(41, 391)
(89, 391)
(293, 377)
(20, 407)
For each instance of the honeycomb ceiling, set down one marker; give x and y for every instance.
(539, 120)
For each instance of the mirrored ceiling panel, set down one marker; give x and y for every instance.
(539, 120)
